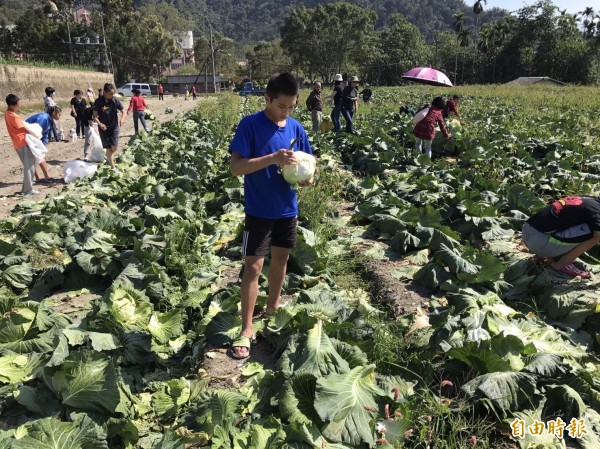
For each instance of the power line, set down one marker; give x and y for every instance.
(132, 61)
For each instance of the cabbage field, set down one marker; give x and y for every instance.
(120, 295)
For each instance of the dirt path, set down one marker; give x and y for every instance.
(11, 170)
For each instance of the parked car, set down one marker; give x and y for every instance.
(249, 88)
(127, 89)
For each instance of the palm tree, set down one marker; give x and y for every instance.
(459, 22)
(587, 15)
(477, 10)
(459, 26)
(462, 37)
(492, 38)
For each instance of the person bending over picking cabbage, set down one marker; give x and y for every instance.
(265, 143)
(563, 231)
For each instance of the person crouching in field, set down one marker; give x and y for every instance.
(451, 107)
(563, 231)
(424, 130)
(106, 111)
(17, 131)
(46, 121)
(264, 142)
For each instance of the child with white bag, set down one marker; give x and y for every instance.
(45, 120)
(92, 149)
(18, 131)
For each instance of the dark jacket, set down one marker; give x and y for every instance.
(314, 101)
(349, 95)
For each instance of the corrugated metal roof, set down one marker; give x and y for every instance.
(529, 80)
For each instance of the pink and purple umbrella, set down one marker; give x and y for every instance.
(427, 75)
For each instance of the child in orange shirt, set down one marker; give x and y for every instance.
(17, 132)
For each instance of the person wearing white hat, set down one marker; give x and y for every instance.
(90, 96)
(350, 103)
(336, 96)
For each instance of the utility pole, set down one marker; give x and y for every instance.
(108, 64)
(212, 55)
(206, 76)
(70, 40)
(56, 15)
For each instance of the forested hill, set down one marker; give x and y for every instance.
(253, 20)
(249, 21)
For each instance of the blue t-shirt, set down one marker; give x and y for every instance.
(267, 194)
(45, 121)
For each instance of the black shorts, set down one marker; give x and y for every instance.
(261, 233)
(110, 138)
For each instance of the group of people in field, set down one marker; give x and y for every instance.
(267, 140)
(94, 118)
(559, 233)
(345, 99)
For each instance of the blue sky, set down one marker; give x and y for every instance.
(572, 6)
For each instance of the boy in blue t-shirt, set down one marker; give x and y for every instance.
(263, 142)
(46, 121)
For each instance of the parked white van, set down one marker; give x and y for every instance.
(127, 89)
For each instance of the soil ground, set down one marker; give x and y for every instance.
(11, 171)
(399, 297)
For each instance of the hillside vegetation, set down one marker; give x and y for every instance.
(255, 20)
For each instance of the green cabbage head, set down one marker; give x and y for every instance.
(301, 171)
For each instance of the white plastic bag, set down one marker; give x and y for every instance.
(97, 153)
(420, 115)
(35, 129)
(38, 149)
(78, 169)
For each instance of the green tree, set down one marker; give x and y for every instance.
(590, 21)
(478, 10)
(170, 18)
(544, 42)
(463, 34)
(265, 59)
(116, 8)
(12, 10)
(491, 39)
(38, 37)
(328, 38)
(224, 54)
(187, 70)
(395, 49)
(138, 45)
(7, 40)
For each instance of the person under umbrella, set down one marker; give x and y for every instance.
(424, 131)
